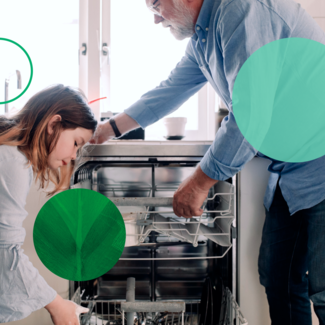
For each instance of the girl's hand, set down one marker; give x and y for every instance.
(65, 312)
(103, 133)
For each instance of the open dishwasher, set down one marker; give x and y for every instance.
(172, 270)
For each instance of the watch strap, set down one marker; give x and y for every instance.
(116, 130)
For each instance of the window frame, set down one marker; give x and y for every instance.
(94, 77)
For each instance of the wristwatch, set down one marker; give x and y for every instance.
(116, 130)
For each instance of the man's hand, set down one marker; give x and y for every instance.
(191, 194)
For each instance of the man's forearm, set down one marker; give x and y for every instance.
(125, 123)
(105, 131)
(203, 181)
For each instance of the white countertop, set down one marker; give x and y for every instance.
(156, 142)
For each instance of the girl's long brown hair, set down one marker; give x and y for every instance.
(28, 130)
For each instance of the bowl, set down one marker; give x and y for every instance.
(130, 216)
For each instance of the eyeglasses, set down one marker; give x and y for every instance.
(154, 8)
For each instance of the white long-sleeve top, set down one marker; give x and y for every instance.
(15, 181)
(22, 289)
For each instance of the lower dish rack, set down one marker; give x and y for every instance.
(103, 312)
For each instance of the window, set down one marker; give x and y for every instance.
(48, 31)
(141, 55)
(54, 37)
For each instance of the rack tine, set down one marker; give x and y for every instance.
(237, 316)
(102, 312)
(143, 201)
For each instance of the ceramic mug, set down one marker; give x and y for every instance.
(174, 126)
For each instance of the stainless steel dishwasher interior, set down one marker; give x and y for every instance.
(165, 268)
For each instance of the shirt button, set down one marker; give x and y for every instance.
(207, 29)
(198, 28)
(203, 40)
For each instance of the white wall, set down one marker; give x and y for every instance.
(252, 298)
(252, 184)
(316, 8)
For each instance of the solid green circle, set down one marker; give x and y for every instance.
(31, 70)
(279, 100)
(79, 234)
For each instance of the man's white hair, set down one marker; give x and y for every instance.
(186, 15)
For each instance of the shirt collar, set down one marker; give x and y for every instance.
(206, 11)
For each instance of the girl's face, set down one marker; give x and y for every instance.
(68, 144)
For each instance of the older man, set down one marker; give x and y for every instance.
(223, 34)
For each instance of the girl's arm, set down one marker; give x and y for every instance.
(15, 181)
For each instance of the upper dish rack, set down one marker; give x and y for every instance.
(148, 214)
(214, 223)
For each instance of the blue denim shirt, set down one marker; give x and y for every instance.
(227, 32)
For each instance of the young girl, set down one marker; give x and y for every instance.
(42, 140)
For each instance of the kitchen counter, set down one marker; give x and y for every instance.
(154, 142)
(136, 148)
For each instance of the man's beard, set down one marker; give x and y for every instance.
(186, 29)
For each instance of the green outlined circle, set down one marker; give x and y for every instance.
(279, 100)
(31, 70)
(79, 234)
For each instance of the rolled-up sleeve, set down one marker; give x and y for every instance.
(229, 152)
(238, 39)
(183, 82)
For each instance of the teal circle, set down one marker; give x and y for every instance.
(79, 234)
(31, 70)
(279, 100)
